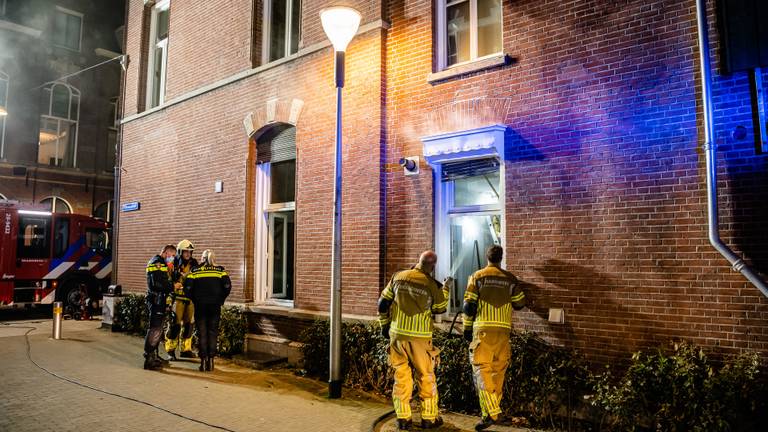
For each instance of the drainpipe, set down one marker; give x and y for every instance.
(710, 150)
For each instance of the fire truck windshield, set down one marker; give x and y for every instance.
(97, 239)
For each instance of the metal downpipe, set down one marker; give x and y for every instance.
(710, 150)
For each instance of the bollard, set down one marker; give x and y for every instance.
(58, 310)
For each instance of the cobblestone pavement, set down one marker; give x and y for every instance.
(230, 398)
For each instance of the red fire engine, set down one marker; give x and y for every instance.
(47, 257)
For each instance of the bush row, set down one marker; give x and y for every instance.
(672, 388)
(131, 317)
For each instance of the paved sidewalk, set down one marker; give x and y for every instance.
(232, 397)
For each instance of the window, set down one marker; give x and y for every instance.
(105, 211)
(282, 28)
(158, 53)
(2, 7)
(276, 156)
(2, 197)
(67, 28)
(34, 239)
(59, 125)
(109, 154)
(468, 30)
(57, 205)
(3, 105)
(60, 237)
(97, 239)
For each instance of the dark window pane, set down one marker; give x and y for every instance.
(60, 237)
(162, 24)
(295, 26)
(277, 24)
(457, 23)
(283, 179)
(34, 237)
(73, 32)
(97, 239)
(61, 103)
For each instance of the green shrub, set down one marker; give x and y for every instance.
(232, 329)
(132, 317)
(553, 387)
(131, 314)
(681, 390)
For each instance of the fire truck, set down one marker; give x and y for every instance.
(47, 257)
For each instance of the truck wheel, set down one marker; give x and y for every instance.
(73, 297)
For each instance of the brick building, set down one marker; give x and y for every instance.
(569, 132)
(57, 142)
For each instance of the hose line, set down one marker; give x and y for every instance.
(96, 389)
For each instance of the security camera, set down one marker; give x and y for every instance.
(410, 165)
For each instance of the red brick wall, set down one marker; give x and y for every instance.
(172, 158)
(77, 190)
(605, 196)
(605, 193)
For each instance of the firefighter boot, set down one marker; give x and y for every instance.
(485, 423)
(404, 424)
(151, 362)
(209, 364)
(203, 364)
(431, 424)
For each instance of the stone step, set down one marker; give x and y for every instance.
(258, 360)
(274, 346)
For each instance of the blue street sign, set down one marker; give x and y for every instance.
(130, 206)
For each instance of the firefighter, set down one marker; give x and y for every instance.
(159, 286)
(406, 307)
(207, 286)
(183, 316)
(492, 293)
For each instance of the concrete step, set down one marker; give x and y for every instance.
(259, 360)
(274, 346)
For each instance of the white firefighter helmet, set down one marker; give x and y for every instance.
(209, 257)
(185, 245)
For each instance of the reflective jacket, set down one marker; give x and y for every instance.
(207, 285)
(414, 297)
(158, 280)
(181, 269)
(496, 292)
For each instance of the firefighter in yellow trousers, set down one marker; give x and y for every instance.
(492, 293)
(406, 307)
(184, 311)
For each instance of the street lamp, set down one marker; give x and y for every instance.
(340, 24)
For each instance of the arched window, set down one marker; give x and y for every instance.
(4, 79)
(104, 211)
(56, 204)
(2, 197)
(58, 125)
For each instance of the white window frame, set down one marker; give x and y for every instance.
(73, 93)
(113, 102)
(266, 30)
(54, 199)
(442, 38)
(485, 142)
(263, 265)
(110, 204)
(159, 6)
(6, 79)
(60, 9)
(2, 197)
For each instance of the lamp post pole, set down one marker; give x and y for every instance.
(340, 25)
(334, 383)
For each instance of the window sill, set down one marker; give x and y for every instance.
(468, 68)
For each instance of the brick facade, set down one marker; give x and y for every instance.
(605, 203)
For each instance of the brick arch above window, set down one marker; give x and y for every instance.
(274, 111)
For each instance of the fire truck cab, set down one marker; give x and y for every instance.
(47, 257)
